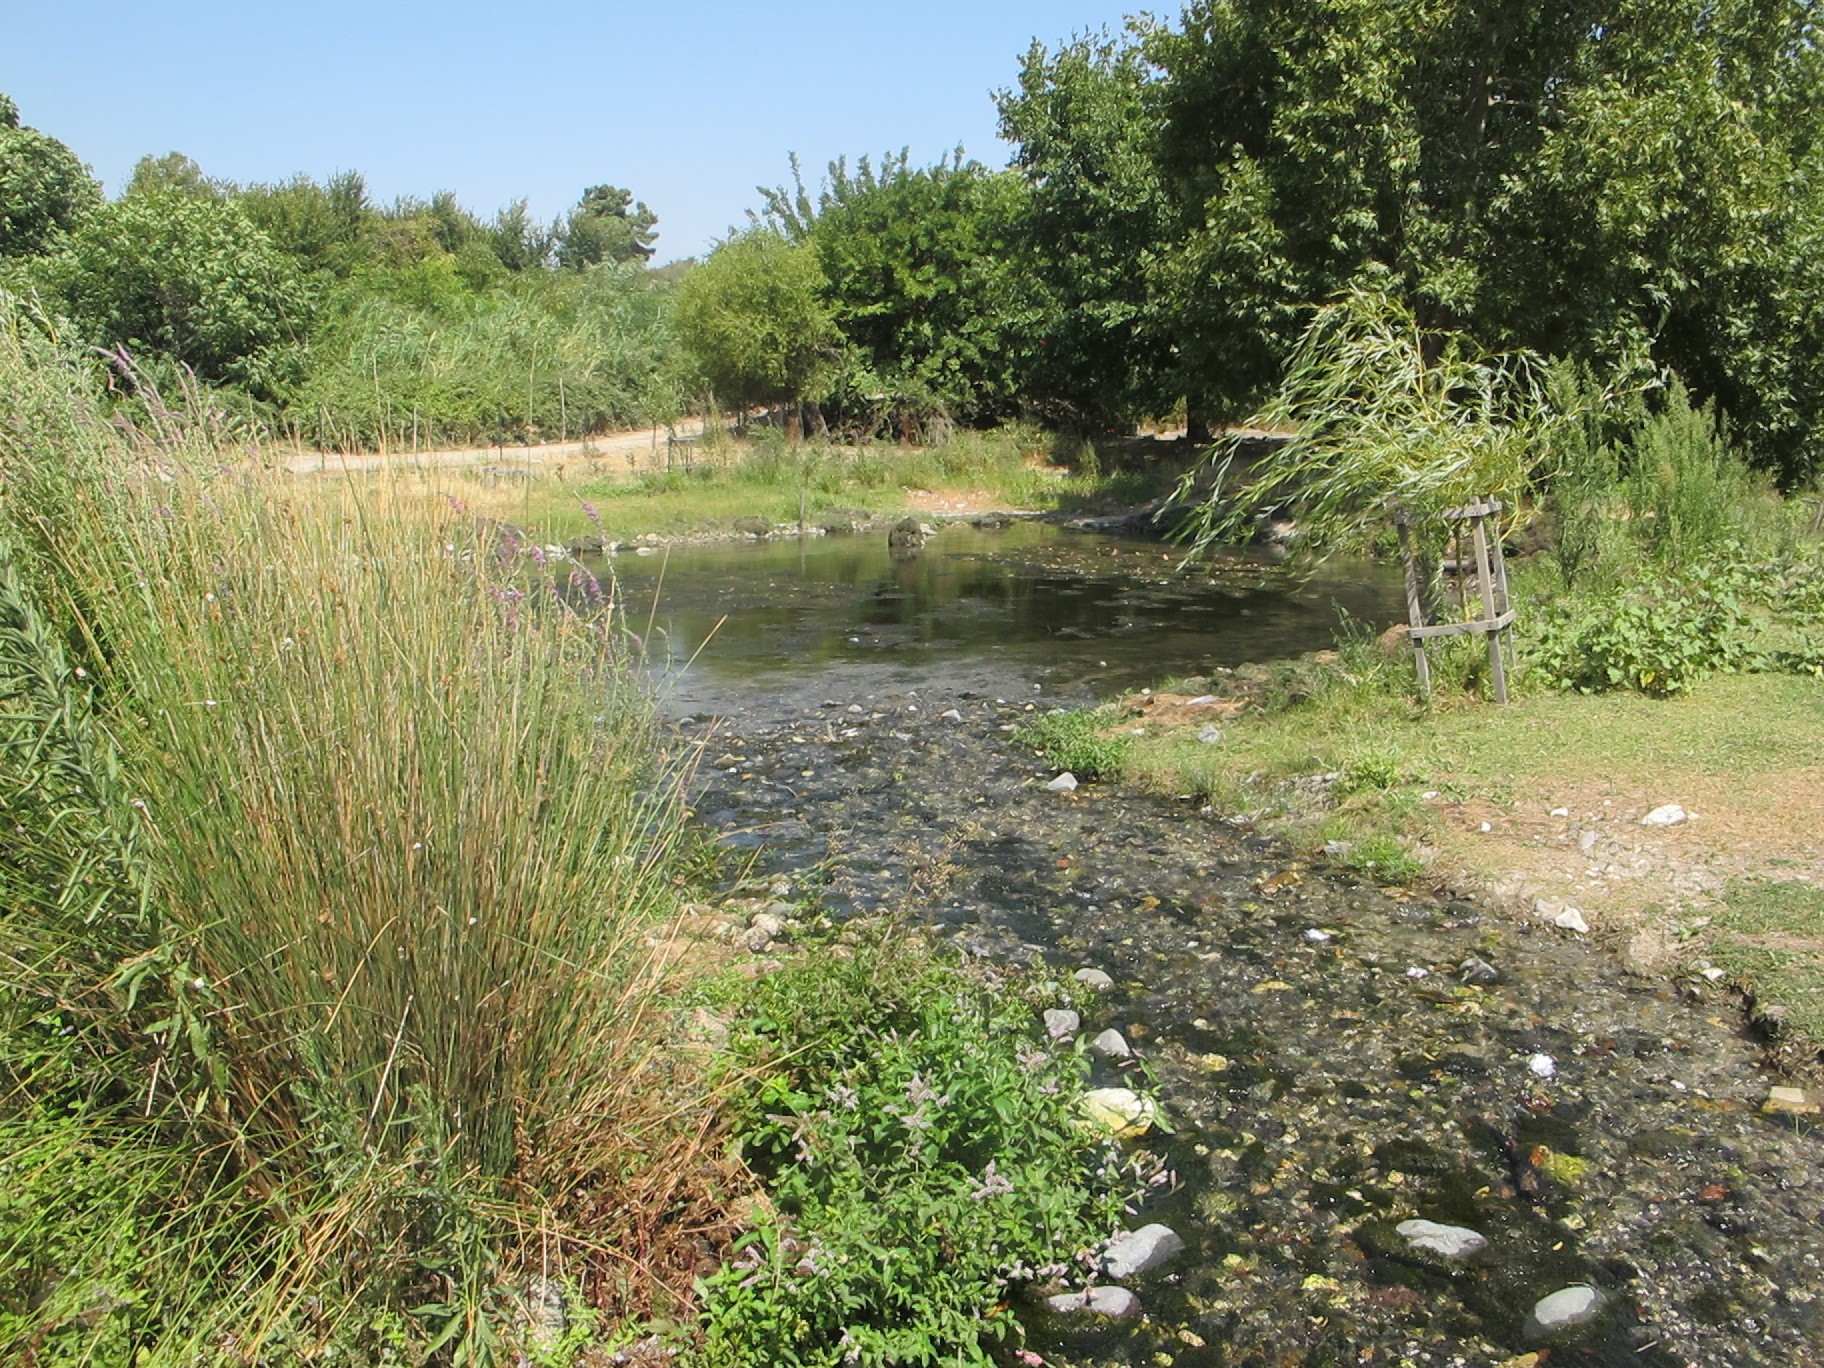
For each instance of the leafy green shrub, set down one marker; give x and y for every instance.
(1371, 771)
(1073, 741)
(922, 1147)
(1658, 640)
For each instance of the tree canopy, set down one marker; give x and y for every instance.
(44, 190)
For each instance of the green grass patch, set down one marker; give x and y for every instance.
(1073, 740)
(1770, 937)
(920, 1140)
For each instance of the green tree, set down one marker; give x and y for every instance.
(606, 226)
(1083, 122)
(753, 319)
(322, 225)
(173, 171)
(44, 190)
(520, 241)
(191, 279)
(921, 271)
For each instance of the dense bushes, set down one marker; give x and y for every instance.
(331, 859)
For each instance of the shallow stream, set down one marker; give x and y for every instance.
(1328, 1066)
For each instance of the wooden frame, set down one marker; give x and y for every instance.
(1497, 610)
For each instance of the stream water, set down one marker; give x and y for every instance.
(1328, 1066)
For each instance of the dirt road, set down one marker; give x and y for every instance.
(641, 448)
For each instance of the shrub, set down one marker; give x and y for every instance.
(924, 1156)
(1657, 640)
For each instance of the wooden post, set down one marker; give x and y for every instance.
(1415, 608)
(1497, 667)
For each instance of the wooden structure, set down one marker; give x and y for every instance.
(680, 451)
(1496, 611)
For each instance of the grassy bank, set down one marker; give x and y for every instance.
(732, 484)
(1538, 803)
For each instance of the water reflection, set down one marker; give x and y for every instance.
(1080, 609)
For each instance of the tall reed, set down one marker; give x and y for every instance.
(342, 839)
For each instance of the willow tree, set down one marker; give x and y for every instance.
(1379, 411)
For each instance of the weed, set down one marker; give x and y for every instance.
(1074, 741)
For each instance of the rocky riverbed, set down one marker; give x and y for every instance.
(1334, 1059)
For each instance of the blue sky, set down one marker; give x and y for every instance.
(689, 103)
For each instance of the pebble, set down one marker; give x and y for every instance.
(1671, 814)
(1446, 1241)
(1061, 1023)
(1111, 1044)
(1064, 783)
(1586, 841)
(1565, 1309)
(1794, 1102)
(1134, 1252)
(1094, 979)
(1316, 935)
(1561, 812)
(1121, 1112)
(1097, 1301)
(1572, 920)
(1210, 736)
(952, 715)
(1475, 970)
(1543, 1066)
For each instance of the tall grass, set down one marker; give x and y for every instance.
(553, 358)
(336, 842)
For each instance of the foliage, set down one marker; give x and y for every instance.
(921, 283)
(1073, 740)
(922, 1148)
(753, 319)
(1378, 409)
(189, 277)
(44, 190)
(417, 356)
(1659, 640)
(1097, 351)
(334, 841)
(606, 226)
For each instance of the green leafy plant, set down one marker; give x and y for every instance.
(921, 1143)
(1074, 740)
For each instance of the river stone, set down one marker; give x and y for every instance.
(1094, 979)
(1141, 1251)
(1097, 1301)
(1477, 970)
(1793, 1101)
(1671, 814)
(1565, 1309)
(1061, 1023)
(1446, 1241)
(1064, 783)
(1111, 1044)
(1571, 919)
(1210, 736)
(1121, 1112)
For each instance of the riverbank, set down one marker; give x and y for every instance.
(1555, 807)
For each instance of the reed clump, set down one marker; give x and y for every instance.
(341, 855)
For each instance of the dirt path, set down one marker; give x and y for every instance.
(646, 447)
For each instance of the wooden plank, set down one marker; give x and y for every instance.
(1497, 667)
(1415, 607)
(1482, 508)
(1446, 629)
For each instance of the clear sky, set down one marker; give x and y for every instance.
(688, 103)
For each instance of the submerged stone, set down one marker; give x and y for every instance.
(1094, 979)
(1141, 1251)
(1111, 1044)
(1061, 1023)
(1565, 1309)
(1117, 1302)
(1446, 1241)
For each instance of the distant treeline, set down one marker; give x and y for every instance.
(1634, 185)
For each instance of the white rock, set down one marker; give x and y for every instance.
(1561, 812)
(1446, 1241)
(1669, 815)
(1486, 827)
(1064, 783)
(1417, 973)
(1316, 934)
(951, 716)
(1566, 1308)
(1098, 1301)
(1141, 1251)
(1061, 1023)
(1095, 979)
(1572, 920)
(1586, 840)
(1111, 1044)
(1542, 1065)
(1210, 736)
